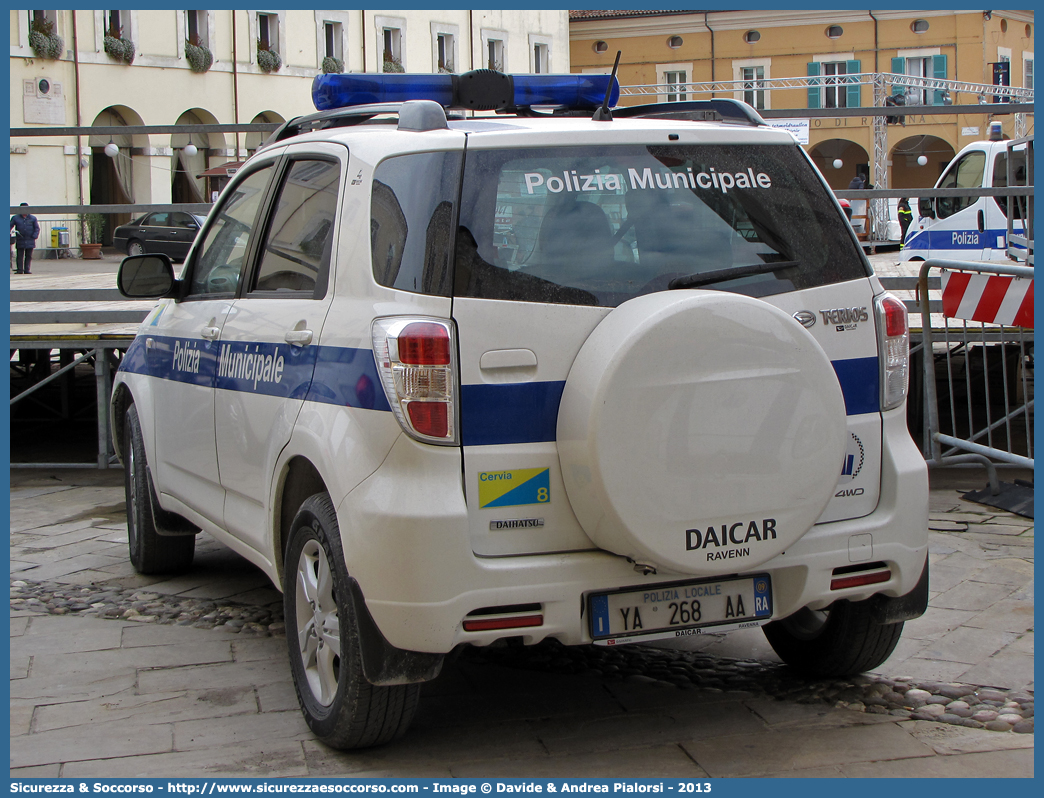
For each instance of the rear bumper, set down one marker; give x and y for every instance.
(412, 557)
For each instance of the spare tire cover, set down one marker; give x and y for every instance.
(700, 431)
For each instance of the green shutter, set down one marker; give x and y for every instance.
(898, 68)
(852, 92)
(939, 73)
(813, 90)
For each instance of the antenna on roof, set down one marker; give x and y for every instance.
(602, 113)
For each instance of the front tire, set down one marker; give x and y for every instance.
(150, 552)
(322, 634)
(842, 640)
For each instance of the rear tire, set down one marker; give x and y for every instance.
(135, 248)
(150, 552)
(322, 634)
(842, 640)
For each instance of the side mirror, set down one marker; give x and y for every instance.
(926, 208)
(146, 277)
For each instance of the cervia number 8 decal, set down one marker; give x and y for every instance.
(514, 488)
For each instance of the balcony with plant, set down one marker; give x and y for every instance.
(118, 47)
(198, 55)
(45, 43)
(268, 60)
(332, 65)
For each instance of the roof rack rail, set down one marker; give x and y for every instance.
(721, 109)
(339, 117)
(417, 115)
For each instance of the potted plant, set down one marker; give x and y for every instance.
(117, 47)
(333, 66)
(268, 60)
(44, 41)
(392, 64)
(91, 227)
(198, 55)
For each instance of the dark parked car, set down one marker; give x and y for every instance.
(168, 232)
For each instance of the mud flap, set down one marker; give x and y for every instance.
(168, 524)
(903, 608)
(382, 663)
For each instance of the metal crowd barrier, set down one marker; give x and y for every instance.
(100, 354)
(987, 414)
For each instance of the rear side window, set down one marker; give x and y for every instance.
(412, 215)
(296, 251)
(601, 225)
(1000, 180)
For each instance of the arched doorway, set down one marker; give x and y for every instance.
(908, 172)
(852, 156)
(255, 140)
(114, 180)
(186, 183)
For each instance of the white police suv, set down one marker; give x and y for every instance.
(449, 379)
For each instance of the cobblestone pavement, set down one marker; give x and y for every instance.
(116, 674)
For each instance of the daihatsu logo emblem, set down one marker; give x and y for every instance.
(805, 318)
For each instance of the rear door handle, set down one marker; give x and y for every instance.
(298, 337)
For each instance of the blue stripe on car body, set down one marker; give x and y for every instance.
(501, 414)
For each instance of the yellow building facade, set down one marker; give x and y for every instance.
(663, 51)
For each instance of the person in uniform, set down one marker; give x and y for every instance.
(905, 218)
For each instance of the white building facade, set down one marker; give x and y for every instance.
(90, 68)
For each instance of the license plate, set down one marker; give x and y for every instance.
(678, 608)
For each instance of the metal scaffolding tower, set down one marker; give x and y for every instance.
(883, 84)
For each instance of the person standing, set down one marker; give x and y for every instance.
(905, 215)
(27, 230)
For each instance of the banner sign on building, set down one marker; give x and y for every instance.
(798, 127)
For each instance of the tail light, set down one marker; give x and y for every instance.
(893, 335)
(416, 359)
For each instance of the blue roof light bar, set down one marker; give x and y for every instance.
(482, 89)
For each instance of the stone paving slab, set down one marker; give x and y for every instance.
(273, 759)
(948, 740)
(968, 645)
(105, 741)
(666, 761)
(991, 765)
(323, 761)
(774, 752)
(148, 709)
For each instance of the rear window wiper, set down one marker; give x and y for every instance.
(720, 275)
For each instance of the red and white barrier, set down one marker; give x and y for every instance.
(994, 299)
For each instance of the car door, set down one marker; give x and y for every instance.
(155, 232)
(270, 338)
(183, 229)
(996, 208)
(541, 266)
(184, 351)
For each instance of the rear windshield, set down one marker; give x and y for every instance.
(600, 225)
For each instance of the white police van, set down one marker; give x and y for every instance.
(969, 228)
(454, 380)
